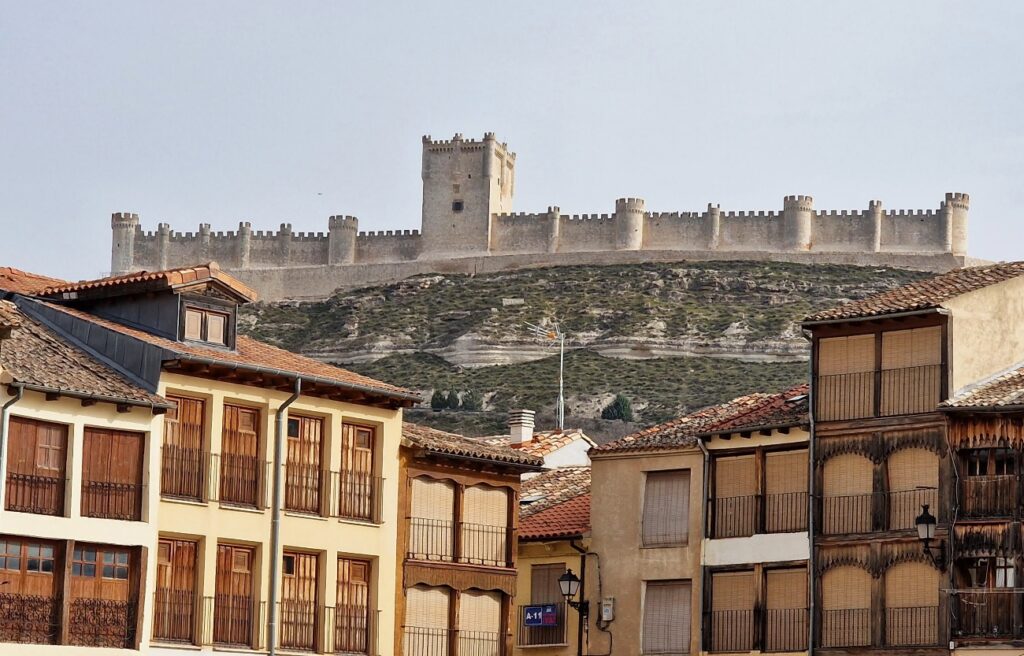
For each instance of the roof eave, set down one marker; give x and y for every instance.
(935, 309)
(103, 398)
(753, 429)
(1017, 407)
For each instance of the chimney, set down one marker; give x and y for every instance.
(520, 424)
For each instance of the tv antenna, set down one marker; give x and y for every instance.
(553, 333)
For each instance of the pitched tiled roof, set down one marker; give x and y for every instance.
(543, 443)
(568, 519)
(745, 413)
(169, 278)
(450, 444)
(252, 354)
(1005, 389)
(23, 282)
(553, 487)
(39, 359)
(9, 315)
(924, 294)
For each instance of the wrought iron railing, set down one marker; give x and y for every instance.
(348, 629)
(174, 616)
(986, 613)
(733, 517)
(483, 544)
(431, 539)
(425, 641)
(536, 636)
(298, 620)
(29, 619)
(302, 491)
(102, 623)
(463, 542)
(184, 473)
(233, 620)
(989, 496)
(848, 627)
(785, 629)
(355, 495)
(879, 393)
(112, 500)
(785, 512)
(912, 626)
(875, 511)
(743, 516)
(731, 630)
(242, 480)
(42, 495)
(479, 643)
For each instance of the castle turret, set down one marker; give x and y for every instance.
(954, 210)
(797, 212)
(341, 239)
(123, 225)
(554, 219)
(713, 220)
(244, 244)
(163, 231)
(629, 224)
(875, 212)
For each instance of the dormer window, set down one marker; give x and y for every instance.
(206, 325)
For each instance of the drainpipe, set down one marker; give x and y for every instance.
(275, 522)
(583, 619)
(3, 421)
(812, 387)
(705, 489)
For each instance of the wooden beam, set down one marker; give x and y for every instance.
(88, 402)
(53, 396)
(123, 407)
(765, 431)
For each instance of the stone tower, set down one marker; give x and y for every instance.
(464, 183)
(122, 245)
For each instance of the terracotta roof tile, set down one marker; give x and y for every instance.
(538, 493)
(568, 519)
(253, 354)
(1005, 389)
(168, 278)
(924, 294)
(38, 358)
(543, 442)
(745, 413)
(23, 282)
(444, 443)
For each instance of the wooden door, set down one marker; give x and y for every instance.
(302, 478)
(112, 474)
(240, 467)
(102, 609)
(357, 492)
(27, 582)
(36, 466)
(298, 601)
(182, 465)
(352, 623)
(175, 601)
(233, 605)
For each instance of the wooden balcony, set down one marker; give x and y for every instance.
(769, 630)
(460, 542)
(874, 512)
(732, 517)
(896, 627)
(988, 614)
(880, 393)
(990, 496)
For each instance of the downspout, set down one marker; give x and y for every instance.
(705, 489)
(275, 523)
(584, 619)
(812, 387)
(3, 420)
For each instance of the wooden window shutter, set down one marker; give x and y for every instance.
(845, 587)
(847, 487)
(484, 527)
(432, 499)
(480, 611)
(913, 481)
(786, 588)
(544, 583)
(183, 425)
(432, 515)
(732, 591)
(912, 604)
(666, 516)
(911, 381)
(485, 505)
(846, 382)
(426, 607)
(735, 477)
(785, 471)
(846, 355)
(666, 621)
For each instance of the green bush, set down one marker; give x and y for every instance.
(453, 400)
(438, 401)
(619, 408)
(473, 401)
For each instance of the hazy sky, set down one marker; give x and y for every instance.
(190, 112)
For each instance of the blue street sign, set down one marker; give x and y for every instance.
(545, 615)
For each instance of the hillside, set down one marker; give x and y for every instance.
(672, 337)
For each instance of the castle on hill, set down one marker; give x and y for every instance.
(468, 226)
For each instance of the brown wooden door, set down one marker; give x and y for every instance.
(233, 605)
(112, 474)
(31, 610)
(182, 465)
(175, 602)
(305, 450)
(103, 610)
(240, 467)
(298, 601)
(352, 624)
(357, 491)
(36, 466)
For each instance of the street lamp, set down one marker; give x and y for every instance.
(569, 584)
(926, 524)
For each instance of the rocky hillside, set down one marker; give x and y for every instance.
(672, 337)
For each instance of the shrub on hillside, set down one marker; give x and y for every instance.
(619, 408)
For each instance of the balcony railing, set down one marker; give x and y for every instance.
(184, 473)
(233, 620)
(112, 500)
(425, 641)
(355, 495)
(102, 623)
(462, 542)
(298, 624)
(987, 613)
(348, 630)
(848, 627)
(302, 490)
(731, 630)
(884, 393)
(42, 495)
(242, 480)
(785, 629)
(912, 627)
(29, 619)
(536, 636)
(875, 511)
(483, 544)
(989, 496)
(174, 616)
(733, 517)
(479, 643)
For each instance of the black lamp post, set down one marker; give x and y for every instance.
(569, 584)
(926, 524)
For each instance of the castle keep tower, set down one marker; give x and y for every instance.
(464, 183)
(122, 245)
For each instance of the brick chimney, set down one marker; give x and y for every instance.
(520, 424)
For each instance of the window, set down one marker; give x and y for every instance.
(666, 515)
(666, 622)
(202, 325)
(289, 565)
(36, 467)
(10, 555)
(987, 572)
(115, 565)
(83, 562)
(544, 587)
(457, 205)
(40, 558)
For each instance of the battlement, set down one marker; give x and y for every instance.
(339, 222)
(124, 219)
(629, 204)
(375, 234)
(446, 145)
(957, 200)
(798, 203)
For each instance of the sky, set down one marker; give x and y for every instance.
(273, 112)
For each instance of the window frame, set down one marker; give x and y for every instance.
(207, 307)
